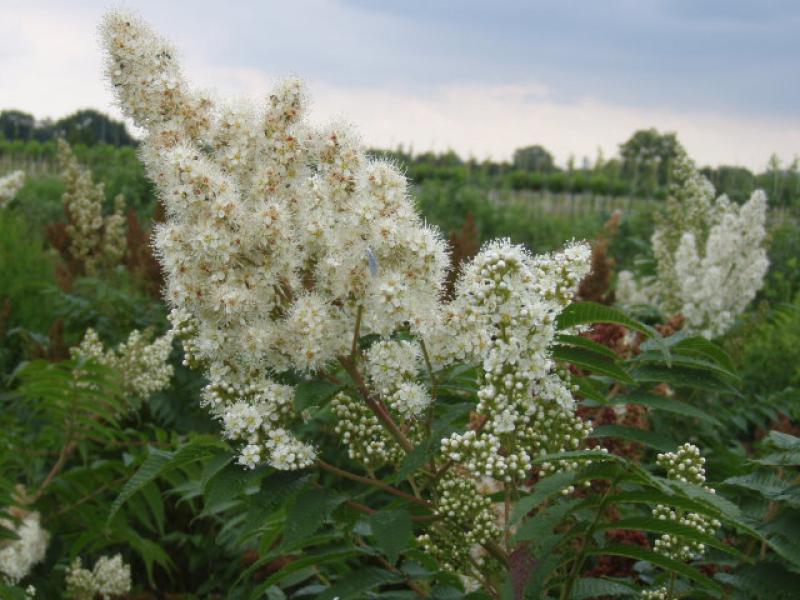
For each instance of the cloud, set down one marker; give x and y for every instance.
(482, 80)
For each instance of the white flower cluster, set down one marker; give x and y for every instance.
(685, 465)
(710, 253)
(511, 303)
(9, 186)
(468, 521)
(277, 233)
(109, 578)
(660, 593)
(142, 366)
(360, 430)
(94, 239)
(392, 367)
(17, 557)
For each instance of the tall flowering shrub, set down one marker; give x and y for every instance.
(710, 255)
(284, 244)
(296, 265)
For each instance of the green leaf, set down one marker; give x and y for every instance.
(153, 466)
(632, 434)
(308, 560)
(584, 313)
(665, 404)
(544, 488)
(590, 389)
(314, 393)
(639, 553)
(768, 485)
(356, 584)
(591, 587)
(764, 581)
(631, 471)
(783, 441)
(12, 592)
(155, 502)
(597, 363)
(160, 462)
(680, 376)
(392, 532)
(718, 502)
(542, 523)
(788, 549)
(665, 526)
(537, 581)
(719, 508)
(222, 489)
(691, 362)
(586, 343)
(706, 348)
(308, 513)
(790, 458)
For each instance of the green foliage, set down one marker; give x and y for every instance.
(783, 278)
(26, 271)
(522, 220)
(766, 335)
(392, 532)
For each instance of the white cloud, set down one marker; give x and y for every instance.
(493, 120)
(50, 65)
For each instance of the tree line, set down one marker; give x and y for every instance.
(641, 167)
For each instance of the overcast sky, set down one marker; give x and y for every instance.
(482, 78)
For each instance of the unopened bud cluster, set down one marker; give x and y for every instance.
(687, 466)
(660, 593)
(364, 436)
(468, 522)
(392, 368)
(9, 186)
(110, 578)
(554, 429)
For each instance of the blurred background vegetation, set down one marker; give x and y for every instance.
(529, 199)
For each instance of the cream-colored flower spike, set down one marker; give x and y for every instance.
(281, 238)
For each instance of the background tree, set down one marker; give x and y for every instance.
(17, 125)
(647, 158)
(533, 158)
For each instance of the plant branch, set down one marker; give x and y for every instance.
(356, 332)
(413, 585)
(375, 405)
(373, 482)
(578, 564)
